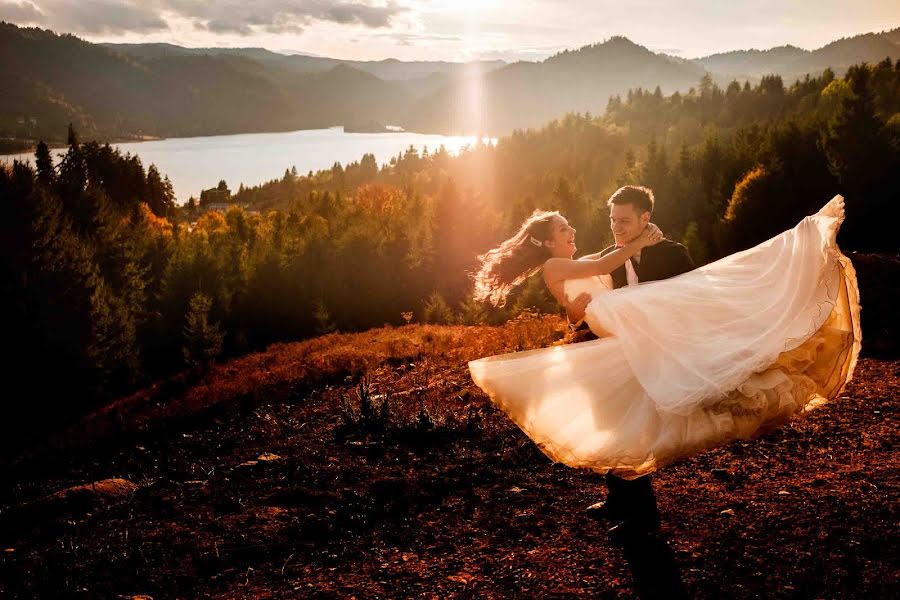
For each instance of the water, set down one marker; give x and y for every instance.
(198, 163)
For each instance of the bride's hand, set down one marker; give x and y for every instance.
(650, 236)
(575, 309)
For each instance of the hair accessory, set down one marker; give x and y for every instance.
(535, 241)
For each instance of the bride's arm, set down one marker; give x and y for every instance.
(596, 255)
(559, 269)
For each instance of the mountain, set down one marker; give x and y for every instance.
(751, 63)
(527, 94)
(389, 69)
(791, 62)
(128, 91)
(164, 90)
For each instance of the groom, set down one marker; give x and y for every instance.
(630, 504)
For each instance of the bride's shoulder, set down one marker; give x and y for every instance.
(554, 265)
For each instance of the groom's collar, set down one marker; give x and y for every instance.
(636, 257)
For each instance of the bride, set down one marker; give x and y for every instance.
(727, 351)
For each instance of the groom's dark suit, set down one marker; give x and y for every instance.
(634, 499)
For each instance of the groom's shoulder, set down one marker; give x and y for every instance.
(667, 245)
(671, 251)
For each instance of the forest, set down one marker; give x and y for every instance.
(109, 285)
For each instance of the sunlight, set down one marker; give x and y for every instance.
(470, 110)
(463, 8)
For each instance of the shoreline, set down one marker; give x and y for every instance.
(61, 145)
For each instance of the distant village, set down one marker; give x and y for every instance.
(216, 199)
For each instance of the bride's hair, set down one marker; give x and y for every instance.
(515, 260)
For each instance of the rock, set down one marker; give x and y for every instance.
(268, 457)
(463, 578)
(89, 496)
(69, 502)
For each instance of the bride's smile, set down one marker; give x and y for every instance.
(562, 242)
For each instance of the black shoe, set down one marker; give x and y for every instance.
(604, 510)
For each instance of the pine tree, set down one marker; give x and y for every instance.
(203, 340)
(322, 317)
(472, 312)
(44, 163)
(436, 310)
(695, 245)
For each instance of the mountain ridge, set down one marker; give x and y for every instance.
(162, 89)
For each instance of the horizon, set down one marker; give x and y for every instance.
(460, 31)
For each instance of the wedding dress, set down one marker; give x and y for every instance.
(727, 351)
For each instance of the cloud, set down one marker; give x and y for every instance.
(86, 16)
(117, 17)
(280, 16)
(20, 12)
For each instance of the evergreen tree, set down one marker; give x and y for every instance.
(436, 310)
(203, 340)
(322, 316)
(44, 162)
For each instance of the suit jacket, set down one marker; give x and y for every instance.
(660, 261)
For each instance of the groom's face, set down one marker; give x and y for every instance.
(627, 222)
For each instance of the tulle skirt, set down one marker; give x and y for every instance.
(728, 351)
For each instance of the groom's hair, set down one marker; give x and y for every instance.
(641, 197)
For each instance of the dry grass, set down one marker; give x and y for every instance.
(419, 362)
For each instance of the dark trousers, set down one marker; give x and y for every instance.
(634, 497)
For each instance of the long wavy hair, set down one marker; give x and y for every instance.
(515, 260)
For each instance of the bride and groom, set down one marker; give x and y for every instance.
(670, 360)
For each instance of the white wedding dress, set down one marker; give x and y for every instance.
(727, 351)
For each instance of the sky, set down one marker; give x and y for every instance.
(459, 30)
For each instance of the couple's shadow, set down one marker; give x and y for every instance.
(654, 572)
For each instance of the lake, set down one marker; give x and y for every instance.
(198, 163)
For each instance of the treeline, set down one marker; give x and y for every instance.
(107, 284)
(730, 166)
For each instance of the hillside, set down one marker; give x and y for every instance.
(57, 79)
(526, 94)
(792, 63)
(389, 69)
(266, 478)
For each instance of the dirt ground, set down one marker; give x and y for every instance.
(297, 490)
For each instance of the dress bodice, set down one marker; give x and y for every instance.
(593, 285)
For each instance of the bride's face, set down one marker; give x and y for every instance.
(562, 239)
